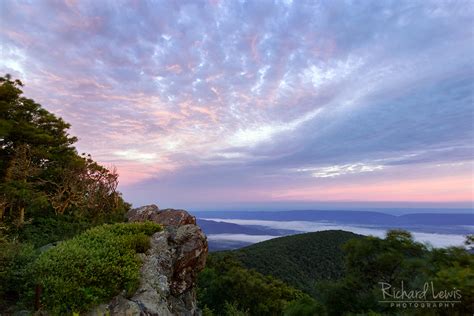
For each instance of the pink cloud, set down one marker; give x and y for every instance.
(443, 189)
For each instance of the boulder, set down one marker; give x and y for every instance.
(141, 214)
(166, 217)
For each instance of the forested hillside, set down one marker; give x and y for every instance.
(340, 273)
(300, 260)
(273, 277)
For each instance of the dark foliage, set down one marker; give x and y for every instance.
(16, 279)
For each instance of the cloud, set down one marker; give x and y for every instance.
(338, 170)
(436, 240)
(238, 96)
(239, 237)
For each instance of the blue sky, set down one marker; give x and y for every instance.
(211, 103)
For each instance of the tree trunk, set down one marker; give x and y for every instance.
(22, 216)
(38, 292)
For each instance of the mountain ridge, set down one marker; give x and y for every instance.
(344, 216)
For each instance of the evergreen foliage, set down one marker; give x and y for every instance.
(41, 173)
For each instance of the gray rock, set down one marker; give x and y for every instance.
(166, 217)
(48, 246)
(142, 213)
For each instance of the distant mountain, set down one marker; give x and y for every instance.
(222, 245)
(215, 227)
(436, 219)
(348, 217)
(300, 260)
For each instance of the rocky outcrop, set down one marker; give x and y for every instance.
(170, 267)
(167, 217)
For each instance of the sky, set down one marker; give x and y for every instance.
(219, 104)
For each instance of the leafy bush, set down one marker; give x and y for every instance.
(92, 267)
(306, 306)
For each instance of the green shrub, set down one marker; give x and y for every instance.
(305, 306)
(233, 310)
(92, 267)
